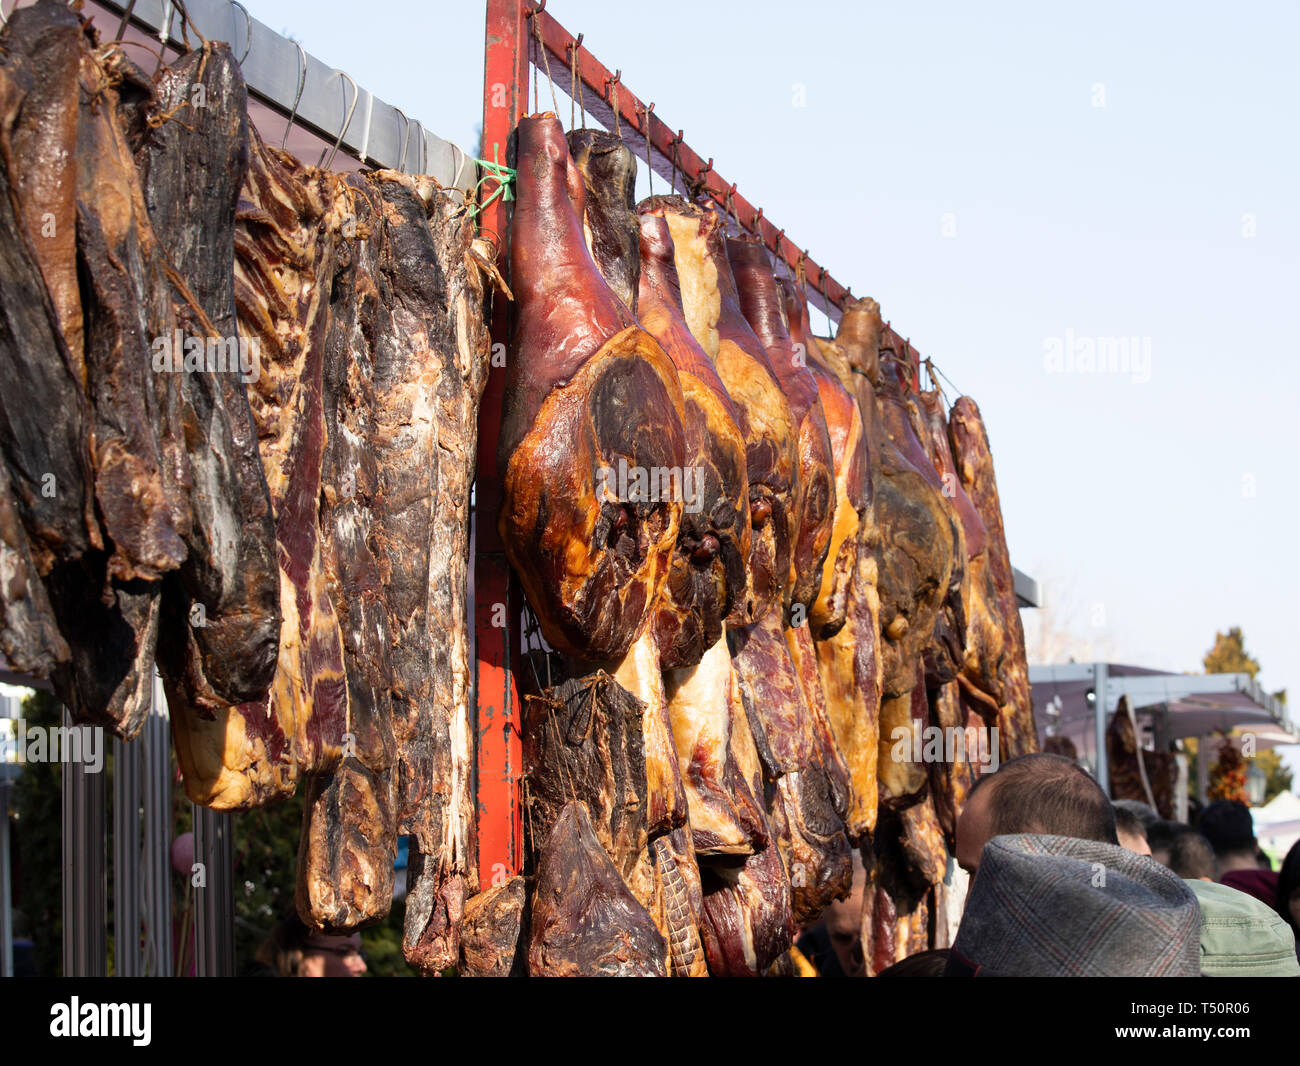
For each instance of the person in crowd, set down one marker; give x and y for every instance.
(292, 949)
(1190, 856)
(1160, 837)
(834, 944)
(1130, 830)
(1228, 827)
(1145, 814)
(1081, 873)
(1061, 906)
(1287, 903)
(1038, 793)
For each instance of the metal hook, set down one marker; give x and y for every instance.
(538, 9)
(248, 30)
(347, 121)
(302, 83)
(406, 133)
(754, 223)
(776, 244)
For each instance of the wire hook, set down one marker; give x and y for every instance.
(248, 30)
(302, 83)
(575, 90)
(347, 121)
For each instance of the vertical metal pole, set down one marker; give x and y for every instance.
(9, 708)
(1203, 768)
(158, 959)
(499, 755)
(214, 901)
(1100, 675)
(85, 867)
(126, 858)
(6, 873)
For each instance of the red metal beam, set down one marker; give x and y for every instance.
(499, 751)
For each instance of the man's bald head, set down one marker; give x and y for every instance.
(1037, 793)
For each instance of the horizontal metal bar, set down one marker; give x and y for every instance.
(1028, 591)
(636, 123)
(373, 131)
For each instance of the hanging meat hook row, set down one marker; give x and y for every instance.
(546, 59)
(611, 86)
(248, 29)
(347, 121)
(645, 132)
(302, 82)
(673, 143)
(574, 45)
(699, 184)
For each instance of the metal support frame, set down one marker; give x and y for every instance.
(6, 876)
(157, 960)
(1100, 680)
(214, 903)
(499, 755)
(85, 936)
(274, 67)
(126, 858)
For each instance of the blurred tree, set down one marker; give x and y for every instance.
(1228, 656)
(38, 803)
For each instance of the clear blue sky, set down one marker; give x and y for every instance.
(1171, 501)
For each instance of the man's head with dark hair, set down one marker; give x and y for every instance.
(1130, 830)
(1227, 825)
(1160, 837)
(1191, 856)
(1038, 793)
(1144, 814)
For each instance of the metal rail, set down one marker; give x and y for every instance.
(321, 98)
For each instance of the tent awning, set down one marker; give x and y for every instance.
(1188, 705)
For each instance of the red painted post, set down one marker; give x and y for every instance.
(496, 621)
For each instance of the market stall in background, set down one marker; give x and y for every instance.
(490, 513)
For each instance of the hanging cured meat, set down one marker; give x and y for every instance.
(582, 741)
(943, 652)
(982, 658)
(222, 629)
(709, 581)
(287, 225)
(815, 493)
(585, 922)
(974, 463)
(914, 553)
(712, 311)
(588, 394)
